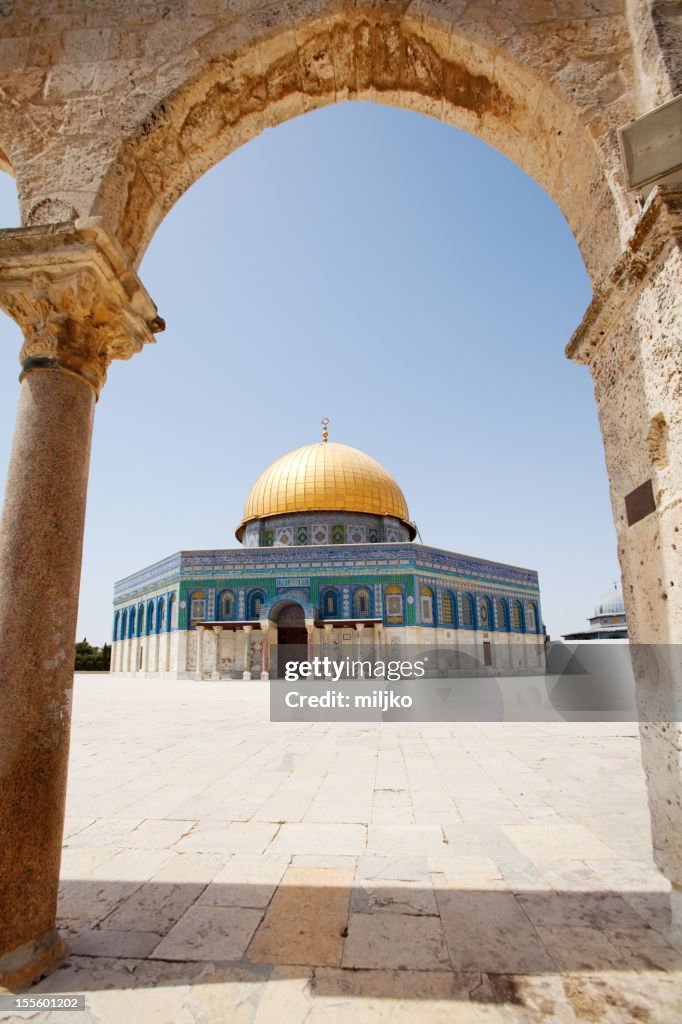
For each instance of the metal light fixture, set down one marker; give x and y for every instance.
(651, 147)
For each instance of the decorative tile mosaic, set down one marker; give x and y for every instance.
(338, 533)
(320, 533)
(283, 536)
(268, 538)
(302, 535)
(373, 535)
(357, 535)
(241, 567)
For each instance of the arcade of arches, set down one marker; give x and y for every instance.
(109, 112)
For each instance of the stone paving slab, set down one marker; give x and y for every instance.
(220, 867)
(306, 920)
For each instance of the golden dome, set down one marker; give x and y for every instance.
(325, 477)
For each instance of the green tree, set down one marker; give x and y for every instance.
(92, 659)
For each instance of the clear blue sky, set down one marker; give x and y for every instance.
(390, 272)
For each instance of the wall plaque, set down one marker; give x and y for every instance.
(640, 503)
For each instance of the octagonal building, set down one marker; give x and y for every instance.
(327, 564)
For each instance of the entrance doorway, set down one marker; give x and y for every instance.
(292, 637)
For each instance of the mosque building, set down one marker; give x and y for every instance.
(328, 565)
(607, 622)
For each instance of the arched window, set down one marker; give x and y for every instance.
(485, 613)
(517, 616)
(140, 620)
(160, 615)
(330, 603)
(393, 603)
(150, 617)
(131, 623)
(531, 618)
(226, 606)
(197, 606)
(448, 609)
(468, 619)
(427, 604)
(173, 611)
(361, 603)
(502, 614)
(117, 622)
(256, 599)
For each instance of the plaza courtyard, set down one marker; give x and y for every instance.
(218, 867)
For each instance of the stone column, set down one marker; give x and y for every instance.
(328, 641)
(378, 637)
(310, 629)
(216, 669)
(359, 629)
(146, 642)
(199, 671)
(169, 635)
(247, 652)
(180, 642)
(265, 673)
(630, 339)
(79, 305)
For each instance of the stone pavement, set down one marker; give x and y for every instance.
(220, 867)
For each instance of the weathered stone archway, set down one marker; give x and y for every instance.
(109, 114)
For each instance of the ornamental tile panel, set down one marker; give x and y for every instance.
(320, 533)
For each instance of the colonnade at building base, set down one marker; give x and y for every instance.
(217, 652)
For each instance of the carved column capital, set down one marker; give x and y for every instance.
(76, 298)
(657, 231)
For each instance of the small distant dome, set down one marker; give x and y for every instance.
(611, 604)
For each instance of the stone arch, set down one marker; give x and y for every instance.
(530, 103)
(255, 599)
(468, 618)
(226, 604)
(272, 609)
(330, 602)
(5, 163)
(546, 89)
(289, 612)
(362, 602)
(502, 614)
